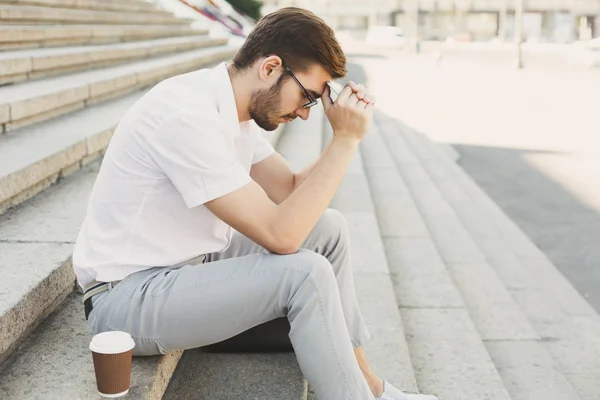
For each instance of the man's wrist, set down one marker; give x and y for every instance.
(346, 139)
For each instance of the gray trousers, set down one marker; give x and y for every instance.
(245, 288)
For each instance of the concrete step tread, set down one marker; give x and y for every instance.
(30, 64)
(59, 51)
(494, 312)
(560, 315)
(55, 362)
(36, 35)
(111, 5)
(448, 354)
(29, 13)
(462, 234)
(388, 351)
(260, 376)
(30, 90)
(35, 101)
(45, 140)
(6, 30)
(37, 241)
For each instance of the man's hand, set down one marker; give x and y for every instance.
(351, 113)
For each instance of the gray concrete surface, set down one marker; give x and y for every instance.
(450, 359)
(36, 243)
(202, 375)
(55, 363)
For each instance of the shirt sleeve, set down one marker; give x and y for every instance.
(195, 154)
(263, 148)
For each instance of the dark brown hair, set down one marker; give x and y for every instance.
(296, 35)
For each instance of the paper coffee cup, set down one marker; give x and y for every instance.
(112, 353)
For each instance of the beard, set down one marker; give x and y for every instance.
(265, 109)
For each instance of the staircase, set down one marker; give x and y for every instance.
(458, 300)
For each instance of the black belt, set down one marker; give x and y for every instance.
(91, 289)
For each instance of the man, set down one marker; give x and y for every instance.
(157, 256)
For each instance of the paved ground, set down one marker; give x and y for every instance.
(530, 138)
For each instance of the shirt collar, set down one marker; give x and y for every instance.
(225, 99)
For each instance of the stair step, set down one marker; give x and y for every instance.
(447, 353)
(41, 154)
(27, 36)
(107, 5)
(387, 350)
(558, 313)
(494, 312)
(55, 363)
(37, 241)
(31, 102)
(252, 376)
(29, 64)
(25, 14)
(55, 148)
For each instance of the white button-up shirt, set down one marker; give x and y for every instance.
(178, 147)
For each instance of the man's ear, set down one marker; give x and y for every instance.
(270, 67)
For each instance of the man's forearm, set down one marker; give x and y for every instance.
(302, 175)
(300, 212)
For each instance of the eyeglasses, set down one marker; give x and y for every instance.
(311, 100)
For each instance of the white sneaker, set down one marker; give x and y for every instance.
(391, 393)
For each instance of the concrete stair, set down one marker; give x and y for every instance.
(551, 365)
(36, 101)
(32, 36)
(23, 65)
(26, 14)
(521, 328)
(100, 5)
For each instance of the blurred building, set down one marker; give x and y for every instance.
(560, 21)
(343, 14)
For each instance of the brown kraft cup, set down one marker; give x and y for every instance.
(112, 353)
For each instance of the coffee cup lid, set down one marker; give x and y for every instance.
(113, 342)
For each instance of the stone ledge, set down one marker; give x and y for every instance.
(55, 362)
(107, 5)
(28, 36)
(494, 312)
(35, 14)
(36, 101)
(45, 62)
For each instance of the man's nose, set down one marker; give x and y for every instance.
(303, 113)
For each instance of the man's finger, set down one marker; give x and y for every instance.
(362, 91)
(345, 94)
(326, 98)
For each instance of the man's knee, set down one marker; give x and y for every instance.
(332, 224)
(315, 264)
